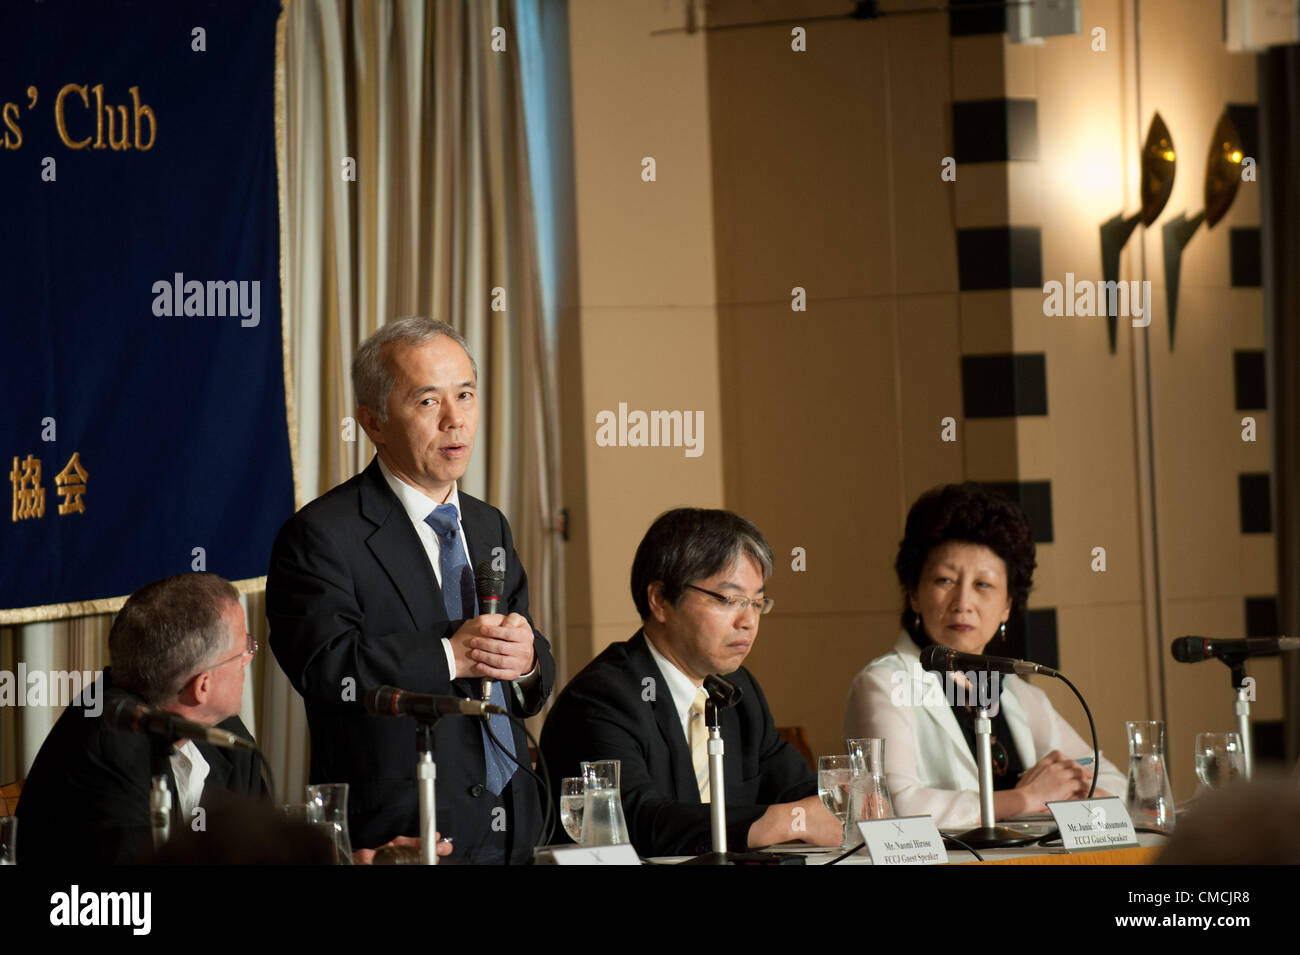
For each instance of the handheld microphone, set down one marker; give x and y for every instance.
(490, 584)
(1196, 649)
(390, 701)
(135, 718)
(939, 659)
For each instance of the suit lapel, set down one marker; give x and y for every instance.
(397, 548)
(929, 688)
(478, 530)
(667, 720)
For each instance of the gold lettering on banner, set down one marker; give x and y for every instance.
(116, 143)
(28, 495)
(71, 485)
(145, 112)
(11, 121)
(98, 90)
(59, 119)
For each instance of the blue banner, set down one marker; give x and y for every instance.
(142, 383)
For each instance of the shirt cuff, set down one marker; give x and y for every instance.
(526, 682)
(451, 659)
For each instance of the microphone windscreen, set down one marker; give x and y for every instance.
(936, 658)
(489, 582)
(124, 714)
(379, 701)
(1189, 649)
(723, 692)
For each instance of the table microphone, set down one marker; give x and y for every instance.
(390, 701)
(141, 719)
(1196, 649)
(940, 659)
(490, 583)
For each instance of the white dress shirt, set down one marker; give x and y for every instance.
(682, 688)
(190, 770)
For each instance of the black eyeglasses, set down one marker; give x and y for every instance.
(736, 604)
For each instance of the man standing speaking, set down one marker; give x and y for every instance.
(372, 584)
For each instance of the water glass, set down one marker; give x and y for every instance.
(572, 803)
(1220, 759)
(327, 804)
(8, 840)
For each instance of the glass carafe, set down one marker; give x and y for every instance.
(602, 813)
(1150, 798)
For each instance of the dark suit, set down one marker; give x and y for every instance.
(353, 604)
(604, 713)
(87, 796)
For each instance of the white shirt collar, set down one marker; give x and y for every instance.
(416, 503)
(682, 688)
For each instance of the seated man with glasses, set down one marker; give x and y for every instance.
(697, 581)
(179, 645)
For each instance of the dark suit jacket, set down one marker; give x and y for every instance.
(353, 604)
(604, 713)
(87, 796)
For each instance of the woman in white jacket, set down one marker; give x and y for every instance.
(965, 563)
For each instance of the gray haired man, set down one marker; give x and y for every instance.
(179, 645)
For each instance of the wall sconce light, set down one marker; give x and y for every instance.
(1158, 165)
(1222, 175)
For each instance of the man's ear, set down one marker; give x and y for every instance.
(369, 422)
(658, 603)
(189, 694)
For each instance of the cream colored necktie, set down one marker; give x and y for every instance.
(699, 740)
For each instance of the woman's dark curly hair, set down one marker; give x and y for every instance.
(966, 512)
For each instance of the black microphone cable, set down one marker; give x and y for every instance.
(544, 780)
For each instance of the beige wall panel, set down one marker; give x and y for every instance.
(986, 319)
(977, 66)
(812, 445)
(651, 360)
(990, 449)
(806, 661)
(800, 156)
(929, 381)
(920, 120)
(1197, 433)
(636, 95)
(1102, 653)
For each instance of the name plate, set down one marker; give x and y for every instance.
(909, 840)
(596, 855)
(1090, 824)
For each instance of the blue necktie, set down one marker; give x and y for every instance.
(458, 593)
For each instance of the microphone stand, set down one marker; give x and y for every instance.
(1242, 709)
(718, 804)
(426, 773)
(989, 835)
